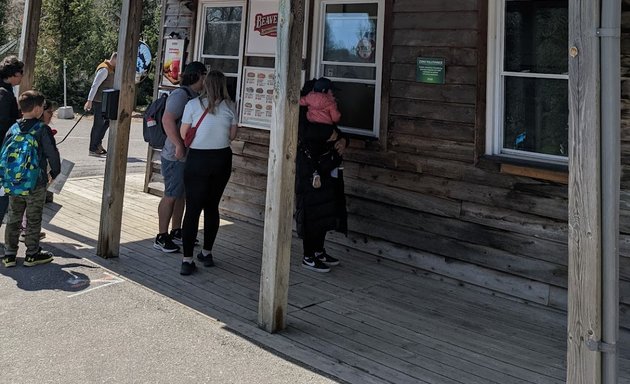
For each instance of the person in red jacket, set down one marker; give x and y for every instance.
(321, 103)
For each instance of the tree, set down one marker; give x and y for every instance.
(84, 32)
(10, 26)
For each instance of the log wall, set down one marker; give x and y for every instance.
(425, 195)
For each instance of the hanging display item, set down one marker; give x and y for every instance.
(172, 63)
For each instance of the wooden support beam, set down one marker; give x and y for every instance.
(118, 140)
(274, 279)
(585, 238)
(28, 42)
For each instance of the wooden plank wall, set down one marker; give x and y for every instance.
(624, 219)
(426, 197)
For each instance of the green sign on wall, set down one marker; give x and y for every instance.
(430, 70)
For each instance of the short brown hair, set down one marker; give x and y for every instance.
(29, 100)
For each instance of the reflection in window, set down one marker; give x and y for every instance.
(222, 31)
(350, 31)
(536, 115)
(349, 53)
(532, 95)
(536, 36)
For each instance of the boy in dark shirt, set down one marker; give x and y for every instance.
(32, 106)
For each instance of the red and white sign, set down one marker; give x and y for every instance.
(266, 25)
(262, 28)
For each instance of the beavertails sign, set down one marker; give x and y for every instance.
(266, 25)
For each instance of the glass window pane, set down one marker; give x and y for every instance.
(350, 33)
(350, 72)
(536, 36)
(222, 34)
(356, 104)
(227, 66)
(536, 115)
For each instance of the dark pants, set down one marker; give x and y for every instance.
(206, 174)
(313, 242)
(4, 206)
(99, 126)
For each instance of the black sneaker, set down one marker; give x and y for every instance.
(187, 268)
(327, 259)
(8, 261)
(164, 243)
(313, 263)
(206, 260)
(41, 257)
(98, 153)
(176, 236)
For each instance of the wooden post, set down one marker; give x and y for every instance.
(28, 42)
(118, 140)
(585, 239)
(274, 279)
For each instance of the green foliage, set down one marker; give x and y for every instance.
(10, 26)
(3, 14)
(84, 32)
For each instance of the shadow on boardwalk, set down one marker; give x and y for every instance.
(368, 321)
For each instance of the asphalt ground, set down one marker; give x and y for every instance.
(73, 321)
(75, 146)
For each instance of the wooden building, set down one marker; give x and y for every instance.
(466, 117)
(458, 112)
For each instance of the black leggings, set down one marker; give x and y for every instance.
(206, 174)
(313, 242)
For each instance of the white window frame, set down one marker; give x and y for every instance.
(317, 66)
(495, 90)
(200, 33)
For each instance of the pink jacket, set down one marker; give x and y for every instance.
(322, 108)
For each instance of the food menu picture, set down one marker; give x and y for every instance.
(257, 99)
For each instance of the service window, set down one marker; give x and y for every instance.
(528, 100)
(347, 48)
(220, 40)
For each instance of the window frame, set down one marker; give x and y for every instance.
(495, 91)
(200, 32)
(317, 62)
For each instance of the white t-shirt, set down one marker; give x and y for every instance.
(214, 130)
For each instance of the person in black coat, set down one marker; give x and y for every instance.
(320, 207)
(11, 72)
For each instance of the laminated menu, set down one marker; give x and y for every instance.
(257, 99)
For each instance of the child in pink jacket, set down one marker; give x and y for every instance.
(321, 104)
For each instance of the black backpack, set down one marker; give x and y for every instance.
(152, 128)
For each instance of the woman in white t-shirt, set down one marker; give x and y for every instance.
(208, 165)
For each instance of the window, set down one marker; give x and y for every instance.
(348, 47)
(220, 44)
(528, 102)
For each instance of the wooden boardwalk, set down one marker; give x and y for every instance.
(368, 321)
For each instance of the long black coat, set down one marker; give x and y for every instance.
(322, 209)
(9, 112)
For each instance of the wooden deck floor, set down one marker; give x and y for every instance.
(368, 321)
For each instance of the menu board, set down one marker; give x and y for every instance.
(257, 97)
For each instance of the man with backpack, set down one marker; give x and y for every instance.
(171, 207)
(28, 149)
